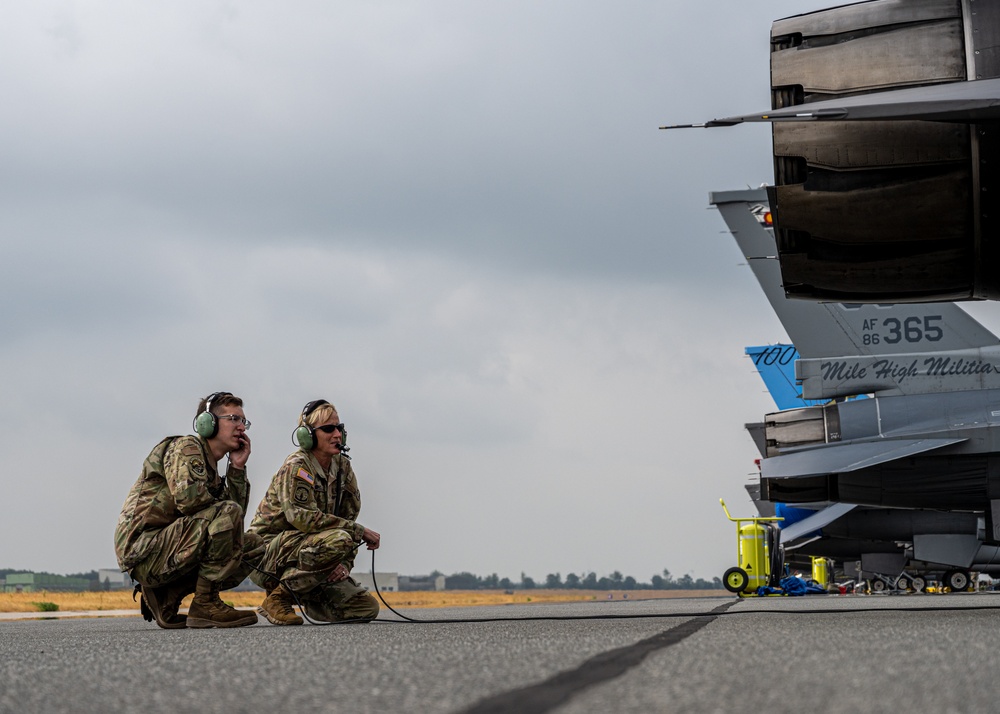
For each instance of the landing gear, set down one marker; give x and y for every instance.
(957, 580)
(907, 582)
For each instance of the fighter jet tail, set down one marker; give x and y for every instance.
(776, 366)
(823, 330)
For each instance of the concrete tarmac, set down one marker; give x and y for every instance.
(852, 653)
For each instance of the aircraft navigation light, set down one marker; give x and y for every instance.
(763, 215)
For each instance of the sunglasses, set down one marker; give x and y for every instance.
(330, 428)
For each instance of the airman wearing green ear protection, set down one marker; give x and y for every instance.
(181, 528)
(308, 519)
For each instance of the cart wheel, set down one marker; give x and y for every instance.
(736, 580)
(878, 585)
(919, 584)
(902, 583)
(957, 580)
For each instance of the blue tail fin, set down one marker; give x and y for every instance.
(776, 366)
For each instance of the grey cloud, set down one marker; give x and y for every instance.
(457, 221)
(468, 132)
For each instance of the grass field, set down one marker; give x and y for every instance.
(122, 599)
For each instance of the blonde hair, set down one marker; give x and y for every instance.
(318, 415)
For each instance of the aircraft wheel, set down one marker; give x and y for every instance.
(957, 580)
(736, 580)
(878, 585)
(918, 584)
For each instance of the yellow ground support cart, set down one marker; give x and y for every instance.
(822, 569)
(759, 552)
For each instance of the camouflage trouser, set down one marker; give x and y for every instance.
(345, 600)
(304, 562)
(209, 544)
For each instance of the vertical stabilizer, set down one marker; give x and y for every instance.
(821, 330)
(776, 366)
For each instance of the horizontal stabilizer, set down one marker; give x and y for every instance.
(814, 522)
(843, 458)
(963, 102)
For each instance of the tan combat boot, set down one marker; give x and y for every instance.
(277, 607)
(208, 610)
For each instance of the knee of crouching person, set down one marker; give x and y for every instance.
(229, 512)
(365, 607)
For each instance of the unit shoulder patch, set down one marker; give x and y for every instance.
(301, 494)
(197, 466)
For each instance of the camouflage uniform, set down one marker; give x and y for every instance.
(307, 536)
(182, 520)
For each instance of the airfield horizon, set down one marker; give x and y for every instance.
(122, 599)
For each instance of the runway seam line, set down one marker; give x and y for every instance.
(557, 690)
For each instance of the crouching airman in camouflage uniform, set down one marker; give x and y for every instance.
(308, 520)
(181, 528)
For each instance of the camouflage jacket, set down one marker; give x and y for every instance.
(303, 497)
(178, 479)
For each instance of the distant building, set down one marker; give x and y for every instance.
(114, 579)
(410, 583)
(387, 582)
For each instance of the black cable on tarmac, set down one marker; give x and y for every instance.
(716, 612)
(639, 616)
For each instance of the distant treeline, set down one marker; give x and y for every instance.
(588, 581)
(52, 581)
(470, 581)
(89, 575)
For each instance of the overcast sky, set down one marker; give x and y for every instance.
(456, 221)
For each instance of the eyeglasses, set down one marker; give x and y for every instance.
(330, 428)
(236, 418)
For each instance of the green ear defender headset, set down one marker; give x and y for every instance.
(305, 436)
(205, 424)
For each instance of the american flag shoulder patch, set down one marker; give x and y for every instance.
(305, 476)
